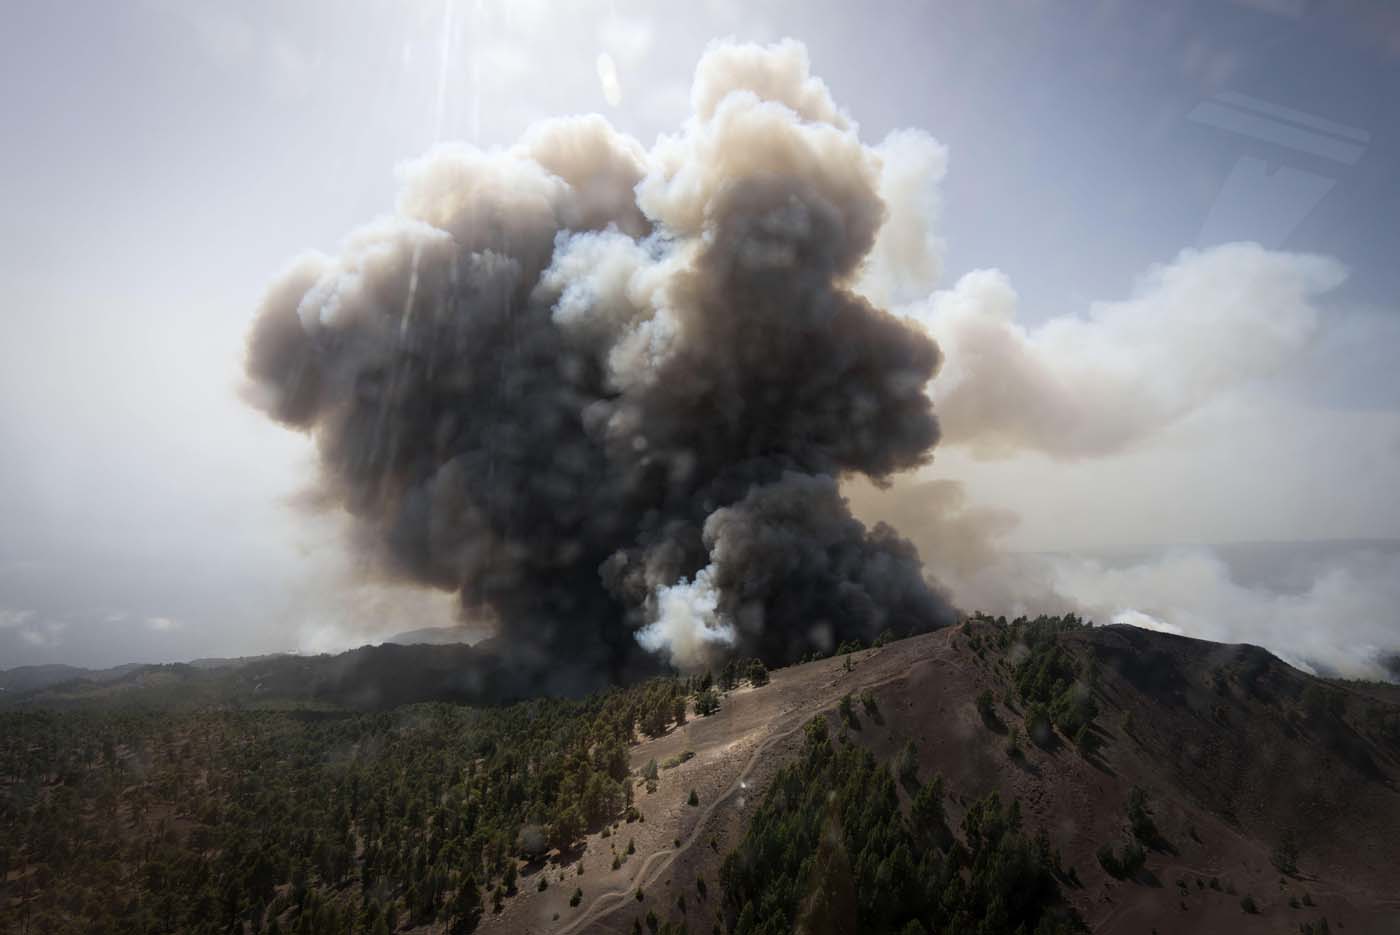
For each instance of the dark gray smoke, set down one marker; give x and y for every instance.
(604, 394)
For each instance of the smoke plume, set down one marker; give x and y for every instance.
(1086, 386)
(604, 394)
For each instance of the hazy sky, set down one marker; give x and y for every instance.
(164, 160)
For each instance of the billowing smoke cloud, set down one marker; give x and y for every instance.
(602, 392)
(1082, 386)
(1327, 607)
(907, 260)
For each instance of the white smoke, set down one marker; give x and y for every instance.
(1093, 384)
(907, 260)
(688, 627)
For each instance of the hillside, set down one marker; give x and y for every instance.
(368, 678)
(1240, 758)
(1242, 795)
(25, 679)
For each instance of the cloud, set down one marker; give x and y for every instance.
(1339, 618)
(626, 38)
(1327, 608)
(45, 635)
(1088, 385)
(162, 624)
(14, 618)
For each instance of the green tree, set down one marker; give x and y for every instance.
(986, 705)
(907, 766)
(565, 829)
(707, 702)
(1140, 816)
(465, 906)
(510, 878)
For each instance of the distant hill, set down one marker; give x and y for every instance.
(208, 681)
(363, 679)
(24, 679)
(31, 678)
(437, 636)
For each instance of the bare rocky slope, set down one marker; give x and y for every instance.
(1272, 796)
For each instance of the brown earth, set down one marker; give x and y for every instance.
(1219, 737)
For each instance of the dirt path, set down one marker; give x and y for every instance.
(645, 876)
(658, 862)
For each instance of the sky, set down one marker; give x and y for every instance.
(1158, 250)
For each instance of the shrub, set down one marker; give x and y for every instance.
(907, 766)
(1038, 724)
(985, 705)
(1109, 861)
(1140, 816)
(694, 799)
(1013, 743)
(1248, 904)
(1133, 858)
(1074, 708)
(671, 762)
(577, 898)
(1086, 742)
(729, 675)
(867, 701)
(707, 702)
(1285, 855)
(1122, 865)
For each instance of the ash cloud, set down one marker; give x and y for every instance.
(603, 392)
